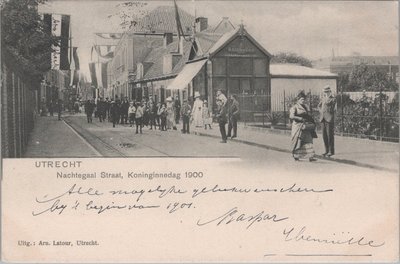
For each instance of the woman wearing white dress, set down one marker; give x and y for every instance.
(170, 114)
(197, 112)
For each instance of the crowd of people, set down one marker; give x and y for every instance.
(167, 115)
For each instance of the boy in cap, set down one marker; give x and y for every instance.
(327, 110)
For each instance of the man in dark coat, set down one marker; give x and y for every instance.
(186, 112)
(89, 108)
(327, 110)
(59, 108)
(124, 111)
(114, 112)
(177, 107)
(222, 119)
(101, 110)
(233, 115)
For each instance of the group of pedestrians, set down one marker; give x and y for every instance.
(304, 126)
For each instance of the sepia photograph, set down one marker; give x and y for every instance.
(181, 130)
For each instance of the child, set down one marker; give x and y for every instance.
(139, 117)
(162, 112)
(131, 113)
(207, 119)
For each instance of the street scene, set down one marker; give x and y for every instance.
(176, 79)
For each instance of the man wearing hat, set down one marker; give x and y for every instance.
(327, 110)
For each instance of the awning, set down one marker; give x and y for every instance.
(187, 74)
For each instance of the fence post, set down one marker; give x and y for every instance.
(342, 111)
(380, 112)
(284, 108)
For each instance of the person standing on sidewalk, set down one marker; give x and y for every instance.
(222, 119)
(303, 130)
(327, 110)
(185, 113)
(139, 117)
(233, 115)
(162, 113)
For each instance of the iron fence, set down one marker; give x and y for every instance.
(373, 115)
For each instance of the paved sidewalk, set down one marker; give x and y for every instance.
(360, 152)
(49, 137)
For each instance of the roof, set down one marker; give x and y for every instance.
(162, 20)
(227, 37)
(206, 40)
(294, 70)
(155, 60)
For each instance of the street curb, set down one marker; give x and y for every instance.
(344, 161)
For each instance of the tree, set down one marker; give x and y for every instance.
(129, 14)
(289, 57)
(364, 77)
(26, 37)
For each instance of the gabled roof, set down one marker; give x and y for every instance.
(228, 37)
(206, 40)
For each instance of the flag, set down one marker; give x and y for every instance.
(75, 58)
(104, 74)
(64, 49)
(92, 68)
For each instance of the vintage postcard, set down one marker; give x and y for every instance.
(199, 131)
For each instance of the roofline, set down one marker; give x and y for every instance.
(288, 76)
(158, 78)
(248, 36)
(221, 23)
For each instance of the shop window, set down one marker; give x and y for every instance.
(219, 66)
(245, 86)
(260, 67)
(260, 86)
(240, 66)
(234, 86)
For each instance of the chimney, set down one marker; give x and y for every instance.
(168, 38)
(201, 24)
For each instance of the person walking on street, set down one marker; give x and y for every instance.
(157, 115)
(131, 113)
(177, 107)
(185, 113)
(101, 110)
(107, 105)
(139, 118)
(51, 107)
(89, 108)
(114, 112)
(327, 110)
(233, 115)
(222, 119)
(124, 111)
(303, 130)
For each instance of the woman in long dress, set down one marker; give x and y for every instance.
(170, 114)
(197, 111)
(303, 130)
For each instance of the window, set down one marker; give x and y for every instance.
(219, 84)
(219, 66)
(261, 86)
(240, 66)
(260, 67)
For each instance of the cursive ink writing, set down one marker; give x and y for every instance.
(233, 215)
(292, 189)
(72, 190)
(300, 235)
(55, 207)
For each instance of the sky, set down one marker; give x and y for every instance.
(313, 29)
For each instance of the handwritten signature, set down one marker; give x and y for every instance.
(234, 216)
(293, 234)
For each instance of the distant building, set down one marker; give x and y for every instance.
(345, 64)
